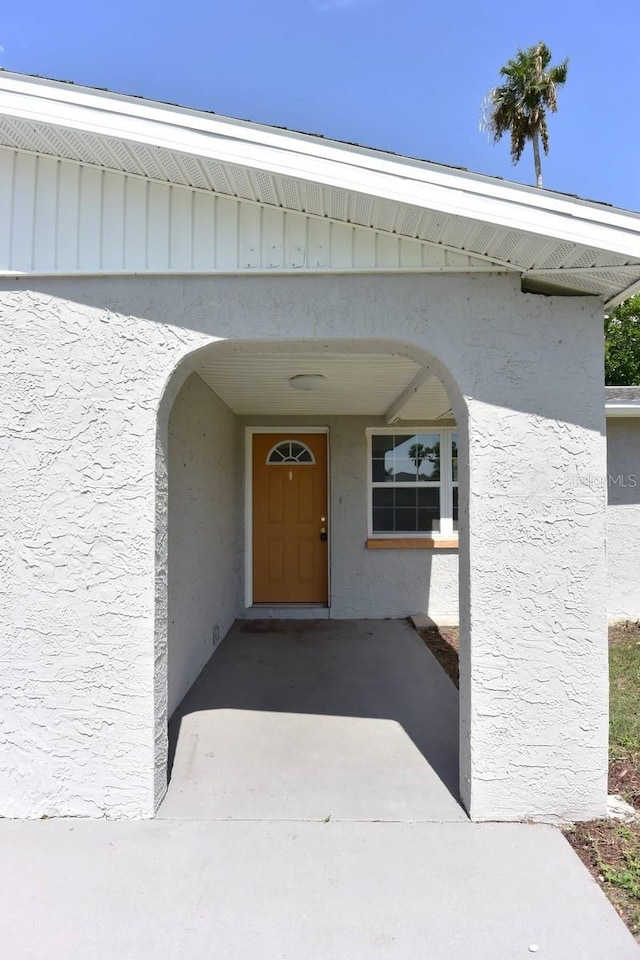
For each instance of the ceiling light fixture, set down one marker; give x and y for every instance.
(307, 381)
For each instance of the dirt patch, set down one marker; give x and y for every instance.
(444, 644)
(622, 633)
(611, 853)
(624, 779)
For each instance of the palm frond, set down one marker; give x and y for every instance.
(518, 105)
(544, 135)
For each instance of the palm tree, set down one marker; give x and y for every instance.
(519, 104)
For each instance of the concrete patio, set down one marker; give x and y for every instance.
(303, 720)
(292, 724)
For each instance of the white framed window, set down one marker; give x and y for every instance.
(412, 482)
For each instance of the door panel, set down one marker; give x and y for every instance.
(290, 558)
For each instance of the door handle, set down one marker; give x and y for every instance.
(323, 534)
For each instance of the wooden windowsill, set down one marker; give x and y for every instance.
(411, 543)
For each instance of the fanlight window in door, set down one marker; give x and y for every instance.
(290, 451)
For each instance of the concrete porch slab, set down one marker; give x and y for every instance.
(308, 891)
(282, 612)
(304, 720)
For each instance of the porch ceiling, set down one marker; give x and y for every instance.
(388, 386)
(557, 243)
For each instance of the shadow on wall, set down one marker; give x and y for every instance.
(339, 306)
(202, 581)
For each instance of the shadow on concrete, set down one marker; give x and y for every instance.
(248, 732)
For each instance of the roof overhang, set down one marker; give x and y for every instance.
(614, 409)
(558, 244)
(622, 401)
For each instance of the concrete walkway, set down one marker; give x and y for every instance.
(303, 720)
(288, 725)
(188, 890)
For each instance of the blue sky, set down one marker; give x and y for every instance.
(403, 75)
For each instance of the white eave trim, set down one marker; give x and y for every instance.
(614, 408)
(619, 298)
(400, 180)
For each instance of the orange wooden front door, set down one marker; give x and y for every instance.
(290, 532)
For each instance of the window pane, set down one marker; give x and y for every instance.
(398, 463)
(382, 497)
(427, 522)
(454, 456)
(406, 520)
(403, 458)
(378, 474)
(290, 452)
(429, 497)
(426, 453)
(429, 509)
(455, 508)
(406, 497)
(383, 520)
(380, 443)
(406, 510)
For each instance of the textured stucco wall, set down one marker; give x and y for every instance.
(623, 517)
(203, 572)
(84, 366)
(370, 583)
(80, 390)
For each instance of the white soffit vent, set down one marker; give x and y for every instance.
(558, 244)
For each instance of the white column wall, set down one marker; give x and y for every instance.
(203, 570)
(533, 691)
(79, 388)
(623, 517)
(84, 363)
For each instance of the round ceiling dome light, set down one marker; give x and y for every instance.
(307, 381)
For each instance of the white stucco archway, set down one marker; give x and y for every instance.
(526, 545)
(106, 356)
(318, 351)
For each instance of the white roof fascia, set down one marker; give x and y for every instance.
(621, 297)
(301, 156)
(616, 408)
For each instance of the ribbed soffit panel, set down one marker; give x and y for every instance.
(343, 384)
(548, 265)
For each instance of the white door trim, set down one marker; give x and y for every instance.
(248, 501)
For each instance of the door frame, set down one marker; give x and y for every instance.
(248, 504)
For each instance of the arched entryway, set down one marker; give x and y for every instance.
(393, 424)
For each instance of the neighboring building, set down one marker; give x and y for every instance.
(623, 512)
(245, 369)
